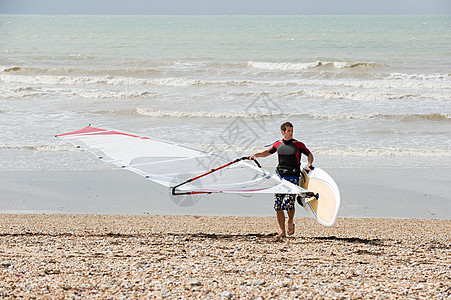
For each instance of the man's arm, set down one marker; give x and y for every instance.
(260, 154)
(310, 161)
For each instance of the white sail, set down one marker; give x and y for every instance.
(171, 165)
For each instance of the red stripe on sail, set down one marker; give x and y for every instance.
(82, 131)
(98, 131)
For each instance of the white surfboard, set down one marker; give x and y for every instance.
(324, 208)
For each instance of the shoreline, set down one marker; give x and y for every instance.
(406, 193)
(92, 256)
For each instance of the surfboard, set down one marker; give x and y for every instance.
(324, 208)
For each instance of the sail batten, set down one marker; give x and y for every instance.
(174, 165)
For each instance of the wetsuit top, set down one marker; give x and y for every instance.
(289, 152)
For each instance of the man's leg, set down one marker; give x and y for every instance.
(290, 214)
(281, 220)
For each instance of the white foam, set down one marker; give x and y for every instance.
(22, 92)
(309, 93)
(196, 114)
(51, 148)
(383, 83)
(388, 84)
(434, 76)
(217, 114)
(233, 151)
(431, 117)
(286, 66)
(345, 64)
(99, 94)
(401, 152)
(9, 69)
(228, 150)
(360, 95)
(94, 80)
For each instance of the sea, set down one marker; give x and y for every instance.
(361, 91)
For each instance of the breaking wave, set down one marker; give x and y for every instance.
(189, 65)
(17, 70)
(51, 148)
(310, 65)
(71, 92)
(387, 82)
(231, 150)
(402, 152)
(96, 93)
(407, 117)
(197, 114)
(85, 87)
(403, 76)
(95, 80)
(216, 114)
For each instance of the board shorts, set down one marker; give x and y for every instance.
(286, 201)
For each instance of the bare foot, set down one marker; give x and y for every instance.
(282, 235)
(291, 229)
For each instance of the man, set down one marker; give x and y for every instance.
(289, 153)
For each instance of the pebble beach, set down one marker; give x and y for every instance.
(208, 257)
(372, 103)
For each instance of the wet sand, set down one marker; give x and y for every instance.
(109, 256)
(365, 193)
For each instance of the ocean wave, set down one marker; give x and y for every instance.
(209, 66)
(310, 65)
(125, 81)
(419, 77)
(226, 115)
(346, 65)
(79, 56)
(23, 92)
(307, 93)
(368, 95)
(103, 80)
(388, 84)
(111, 94)
(197, 114)
(50, 148)
(102, 87)
(355, 95)
(407, 117)
(431, 117)
(10, 69)
(396, 152)
(18, 70)
(231, 150)
(382, 83)
(146, 71)
(285, 66)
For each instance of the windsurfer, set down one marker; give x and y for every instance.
(289, 153)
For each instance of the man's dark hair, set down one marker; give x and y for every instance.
(284, 126)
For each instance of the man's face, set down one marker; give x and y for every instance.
(288, 133)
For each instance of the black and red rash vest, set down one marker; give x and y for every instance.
(289, 152)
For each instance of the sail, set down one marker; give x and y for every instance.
(174, 165)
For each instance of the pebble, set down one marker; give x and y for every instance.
(258, 282)
(195, 282)
(88, 256)
(227, 294)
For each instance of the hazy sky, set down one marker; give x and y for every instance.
(231, 7)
